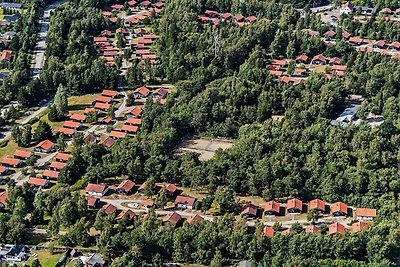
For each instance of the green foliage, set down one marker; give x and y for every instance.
(43, 131)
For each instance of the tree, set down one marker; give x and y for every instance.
(22, 135)
(111, 112)
(61, 145)
(59, 108)
(43, 131)
(217, 261)
(36, 263)
(134, 75)
(162, 198)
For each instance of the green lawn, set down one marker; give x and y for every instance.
(45, 258)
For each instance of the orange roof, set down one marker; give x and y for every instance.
(46, 145)
(337, 228)
(104, 99)
(316, 204)
(100, 39)
(355, 40)
(249, 209)
(11, 161)
(106, 13)
(110, 93)
(129, 128)
(109, 209)
(91, 201)
(6, 55)
(285, 79)
(173, 217)
(72, 124)
(51, 174)
(117, 6)
(103, 106)
(303, 58)
(66, 131)
(134, 121)
(142, 186)
(113, 20)
(136, 111)
(278, 62)
(88, 110)
(295, 203)
(22, 154)
(57, 165)
(106, 120)
(339, 207)
(142, 90)
(366, 212)
(272, 206)
(105, 33)
(311, 229)
(319, 57)
(3, 197)
(171, 188)
(96, 188)
(358, 226)
(63, 156)
(276, 72)
(147, 202)
(185, 200)
(2, 169)
(117, 134)
(132, 3)
(126, 185)
(122, 214)
(78, 117)
(339, 67)
(269, 231)
(195, 218)
(37, 181)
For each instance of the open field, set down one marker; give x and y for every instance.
(204, 146)
(45, 258)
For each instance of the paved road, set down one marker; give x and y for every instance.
(41, 45)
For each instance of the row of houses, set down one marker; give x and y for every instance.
(350, 8)
(214, 17)
(296, 206)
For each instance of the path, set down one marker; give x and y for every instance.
(41, 45)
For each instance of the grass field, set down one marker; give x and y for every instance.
(46, 258)
(9, 149)
(79, 103)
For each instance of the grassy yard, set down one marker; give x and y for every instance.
(79, 103)
(46, 258)
(9, 149)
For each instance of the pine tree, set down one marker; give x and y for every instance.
(61, 102)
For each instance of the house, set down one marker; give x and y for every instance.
(365, 214)
(63, 157)
(380, 44)
(117, 135)
(346, 35)
(294, 205)
(108, 142)
(182, 202)
(107, 120)
(249, 212)
(336, 228)
(72, 125)
(171, 189)
(125, 187)
(117, 7)
(317, 204)
(135, 112)
(395, 46)
(311, 229)
(302, 59)
(102, 106)
(173, 218)
(89, 110)
(113, 20)
(92, 260)
(397, 12)
(109, 209)
(339, 209)
(106, 33)
(195, 219)
(335, 61)
(121, 31)
(268, 231)
(38, 182)
(300, 72)
(159, 101)
(3, 170)
(276, 73)
(13, 253)
(319, 60)
(45, 146)
(141, 92)
(90, 139)
(359, 226)
(129, 129)
(9, 5)
(311, 32)
(145, 4)
(109, 93)
(132, 3)
(346, 8)
(238, 18)
(225, 16)
(103, 99)
(57, 166)
(330, 34)
(356, 41)
(160, 93)
(6, 55)
(78, 117)
(133, 121)
(92, 202)
(130, 215)
(250, 19)
(272, 208)
(50, 174)
(386, 11)
(97, 190)
(3, 199)
(147, 203)
(141, 188)
(66, 131)
(20, 154)
(11, 162)
(211, 13)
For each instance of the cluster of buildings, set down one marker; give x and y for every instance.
(213, 17)
(349, 8)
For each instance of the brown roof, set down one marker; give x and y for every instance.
(132, 3)
(103, 99)
(37, 181)
(195, 218)
(45, 144)
(88, 110)
(358, 226)
(117, 134)
(110, 93)
(57, 165)
(136, 111)
(51, 174)
(103, 106)
(303, 58)
(311, 229)
(330, 34)
(22, 154)
(113, 20)
(319, 57)
(276, 72)
(6, 54)
(295, 203)
(134, 121)
(11, 161)
(142, 186)
(173, 217)
(272, 206)
(122, 214)
(72, 124)
(100, 39)
(129, 128)
(66, 131)
(91, 201)
(147, 202)
(355, 40)
(117, 6)
(109, 209)
(335, 60)
(278, 62)
(78, 117)
(380, 43)
(366, 212)
(108, 142)
(126, 185)
(142, 90)
(337, 228)
(249, 209)
(63, 156)
(316, 204)
(339, 67)
(160, 101)
(346, 35)
(97, 188)
(3, 197)
(185, 200)
(105, 33)
(339, 207)
(171, 188)
(269, 231)
(160, 91)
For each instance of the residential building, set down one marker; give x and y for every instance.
(13, 253)
(125, 187)
(182, 202)
(294, 205)
(195, 219)
(63, 157)
(45, 146)
(110, 209)
(130, 214)
(92, 260)
(97, 190)
(365, 214)
(339, 209)
(317, 204)
(11, 162)
(249, 212)
(23, 155)
(359, 226)
(38, 182)
(272, 208)
(337, 228)
(173, 218)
